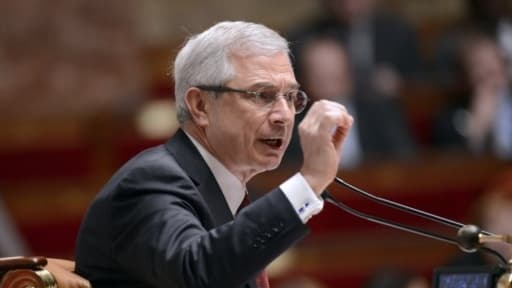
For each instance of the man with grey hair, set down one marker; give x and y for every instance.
(169, 217)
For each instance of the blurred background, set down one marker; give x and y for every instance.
(85, 85)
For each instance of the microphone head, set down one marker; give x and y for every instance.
(468, 238)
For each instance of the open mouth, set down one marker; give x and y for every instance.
(274, 143)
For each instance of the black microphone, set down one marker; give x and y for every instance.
(469, 237)
(472, 239)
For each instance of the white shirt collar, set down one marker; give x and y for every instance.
(232, 188)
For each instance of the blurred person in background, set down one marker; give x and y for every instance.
(379, 130)
(492, 18)
(383, 54)
(324, 71)
(383, 48)
(480, 119)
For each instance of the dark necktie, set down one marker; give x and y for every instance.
(262, 280)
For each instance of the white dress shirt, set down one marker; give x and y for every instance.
(302, 198)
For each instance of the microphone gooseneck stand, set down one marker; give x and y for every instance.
(469, 238)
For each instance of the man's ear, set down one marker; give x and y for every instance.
(197, 106)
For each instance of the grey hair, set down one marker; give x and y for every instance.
(205, 57)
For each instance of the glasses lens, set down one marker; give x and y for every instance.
(267, 96)
(296, 98)
(300, 99)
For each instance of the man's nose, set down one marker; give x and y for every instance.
(282, 111)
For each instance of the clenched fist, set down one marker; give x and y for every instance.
(322, 133)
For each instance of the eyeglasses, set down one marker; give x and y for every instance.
(266, 96)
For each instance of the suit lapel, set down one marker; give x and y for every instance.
(196, 168)
(191, 161)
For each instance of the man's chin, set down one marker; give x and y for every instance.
(273, 163)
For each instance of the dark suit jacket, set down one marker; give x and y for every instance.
(162, 221)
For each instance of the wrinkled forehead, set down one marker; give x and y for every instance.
(273, 70)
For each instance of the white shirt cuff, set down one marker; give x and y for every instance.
(303, 199)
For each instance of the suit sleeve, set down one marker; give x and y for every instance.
(158, 235)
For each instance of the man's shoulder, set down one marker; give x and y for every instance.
(151, 164)
(155, 156)
(166, 166)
